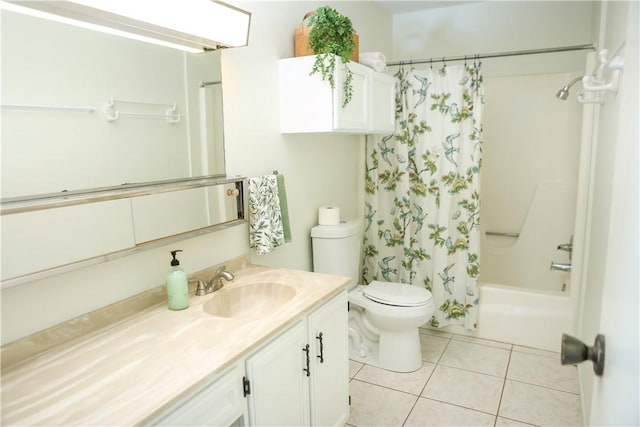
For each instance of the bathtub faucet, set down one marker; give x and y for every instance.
(560, 266)
(567, 247)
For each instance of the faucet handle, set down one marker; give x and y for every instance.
(567, 247)
(201, 287)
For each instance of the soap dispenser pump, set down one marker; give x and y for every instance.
(177, 285)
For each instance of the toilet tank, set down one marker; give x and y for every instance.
(336, 249)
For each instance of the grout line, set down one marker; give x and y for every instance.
(544, 386)
(459, 406)
(443, 351)
(504, 384)
(518, 421)
(410, 411)
(385, 387)
(358, 370)
(476, 372)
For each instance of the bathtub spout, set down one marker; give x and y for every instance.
(560, 267)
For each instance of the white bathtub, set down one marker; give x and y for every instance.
(532, 318)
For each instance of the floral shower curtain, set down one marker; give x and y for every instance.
(422, 191)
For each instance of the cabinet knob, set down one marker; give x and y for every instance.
(233, 192)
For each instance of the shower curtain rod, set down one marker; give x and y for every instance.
(494, 55)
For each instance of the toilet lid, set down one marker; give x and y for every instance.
(399, 294)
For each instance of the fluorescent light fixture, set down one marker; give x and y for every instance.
(191, 25)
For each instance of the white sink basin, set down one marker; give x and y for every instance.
(254, 299)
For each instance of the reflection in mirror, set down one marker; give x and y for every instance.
(84, 109)
(47, 240)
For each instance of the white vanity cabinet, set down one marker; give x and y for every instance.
(219, 403)
(298, 379)
(309, 105)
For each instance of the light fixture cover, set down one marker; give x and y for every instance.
(194, 24)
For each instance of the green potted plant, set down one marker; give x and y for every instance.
(332, 36)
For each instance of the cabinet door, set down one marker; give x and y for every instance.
(218, 404)
(330, 367)
(382, 103)
(355, 115)
(306, 101)
(279, 388)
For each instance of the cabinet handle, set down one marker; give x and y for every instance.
(321, 356)
(307, 369)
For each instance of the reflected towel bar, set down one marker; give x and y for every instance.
(87, 109)
(111, 113)
(497, 233)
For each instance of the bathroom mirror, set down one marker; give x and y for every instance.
(105, 142)
(83, 109)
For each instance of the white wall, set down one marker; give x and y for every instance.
(614, 140)
(319, 170)
(497, 26)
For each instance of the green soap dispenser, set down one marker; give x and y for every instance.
(177, 285)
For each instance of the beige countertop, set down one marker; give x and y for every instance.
(128, 372)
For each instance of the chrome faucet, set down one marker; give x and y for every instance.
(560, 266)
(567, 247)
(215, 283)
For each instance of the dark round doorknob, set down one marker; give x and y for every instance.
(575, 351)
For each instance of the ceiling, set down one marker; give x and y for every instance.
(412, 6)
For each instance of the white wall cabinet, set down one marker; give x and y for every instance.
(301, 377)
(309, 105)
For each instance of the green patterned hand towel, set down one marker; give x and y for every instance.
(284, 209)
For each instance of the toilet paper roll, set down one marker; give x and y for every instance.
(329, 215)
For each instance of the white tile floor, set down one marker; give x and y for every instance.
(467, 381)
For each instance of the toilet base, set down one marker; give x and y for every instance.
(392, 351)
(400, 351)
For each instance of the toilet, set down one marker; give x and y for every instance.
(384, 317)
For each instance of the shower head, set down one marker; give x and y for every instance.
(563, 93)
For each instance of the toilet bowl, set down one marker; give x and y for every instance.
(384, 317)
(391, 314)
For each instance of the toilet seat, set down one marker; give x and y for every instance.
(397, 294)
